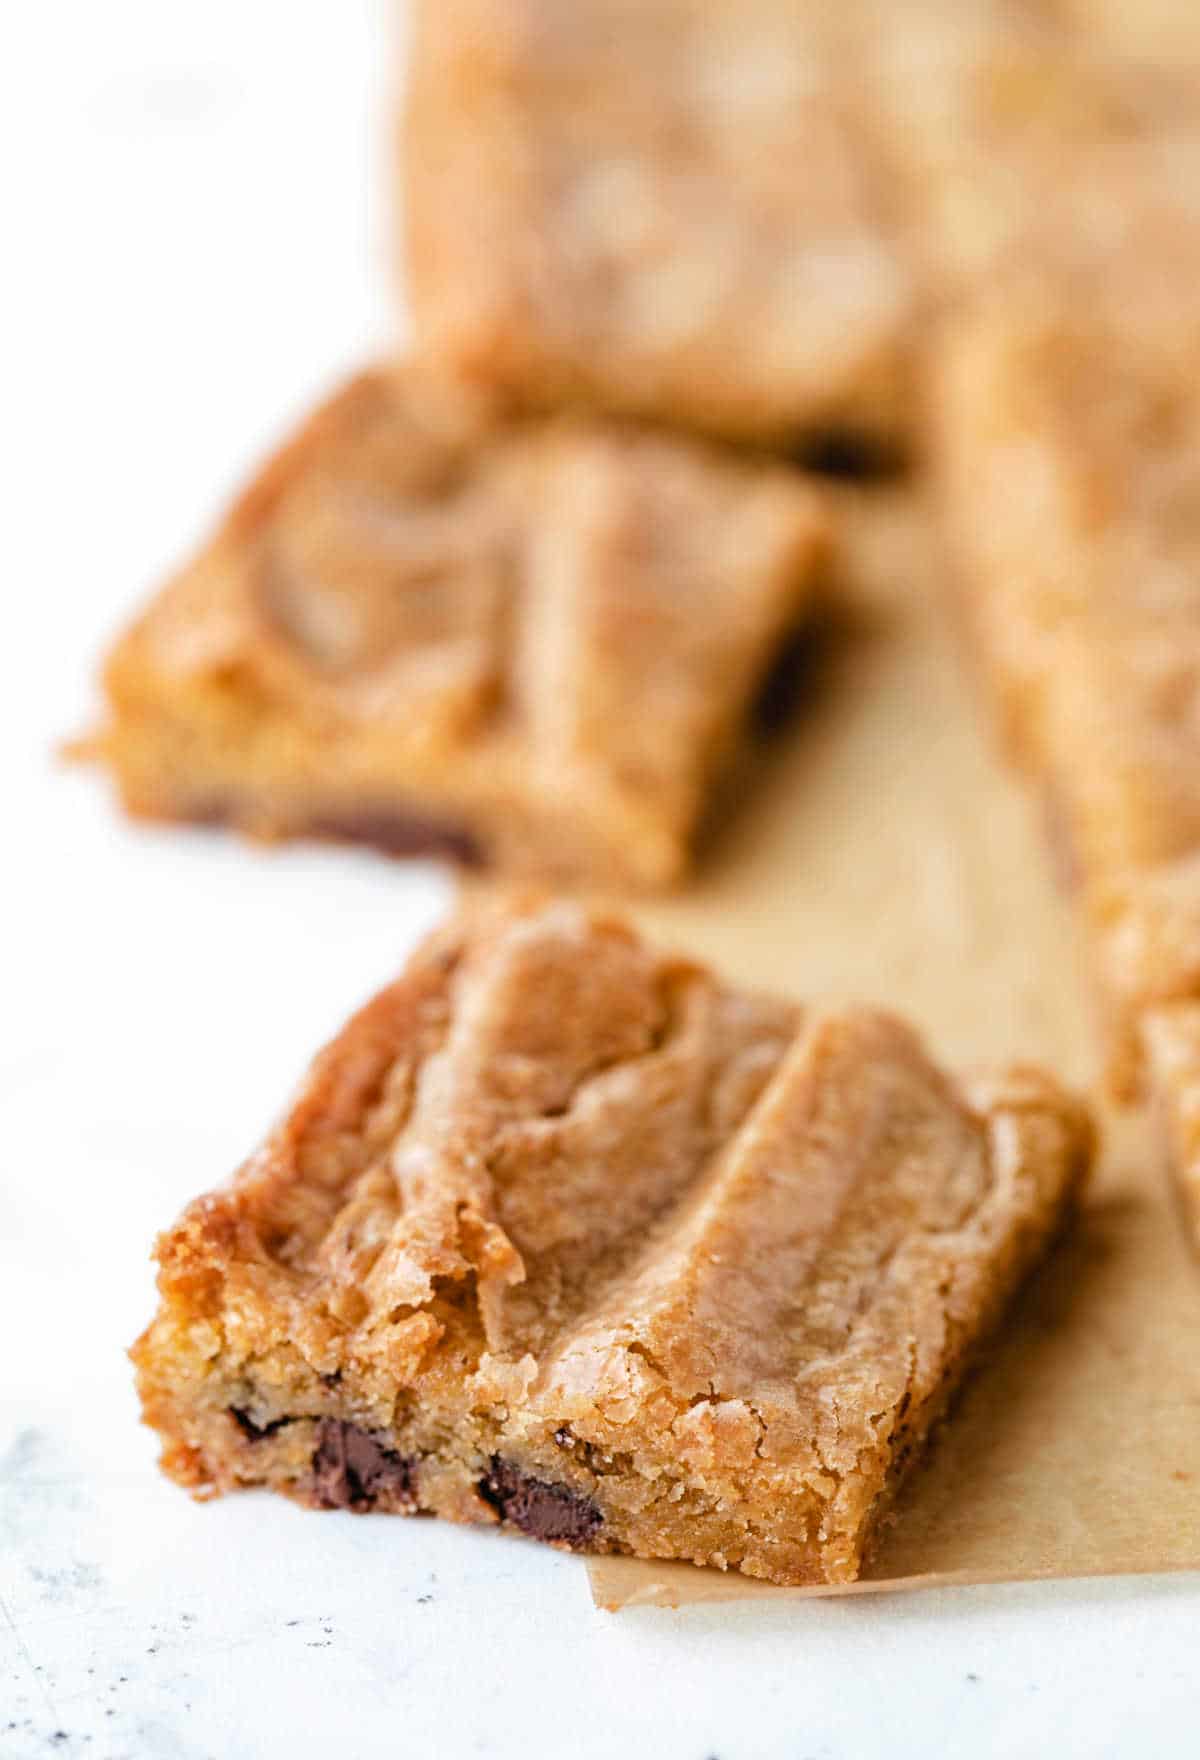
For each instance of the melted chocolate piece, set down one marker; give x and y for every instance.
(849, 456)
(252, 1431)
(542, 1510)
(793, 676)
(401, 834)
(391, 833)
(354, 1470)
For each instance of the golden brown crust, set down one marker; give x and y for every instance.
(560, 1230)
(529, 645)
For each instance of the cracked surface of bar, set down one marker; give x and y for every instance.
(528, 646)
(563, 1233)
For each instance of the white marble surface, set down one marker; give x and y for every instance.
(196, 220)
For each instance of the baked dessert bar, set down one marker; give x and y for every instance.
(532, 646)
(563, 1234)
(1070, 456)
(660, 210)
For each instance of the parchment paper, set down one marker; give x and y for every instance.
(886, 856)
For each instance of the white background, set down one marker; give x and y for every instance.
(197, 216)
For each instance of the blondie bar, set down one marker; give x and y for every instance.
(1070, 457)
(564, 1234)
(527, 645)
(660, 210)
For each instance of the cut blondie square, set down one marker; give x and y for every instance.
(532, 646)
(659, 210)
(1070, 456)
(565, 1235)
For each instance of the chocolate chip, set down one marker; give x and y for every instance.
(792, 677)
(255, 1432)
(401, 834)
(354, 1470)
(544, 1511)
(851, 456)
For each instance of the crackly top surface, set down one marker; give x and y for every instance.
(482, 606)
(552, 1167)
(660, 209)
